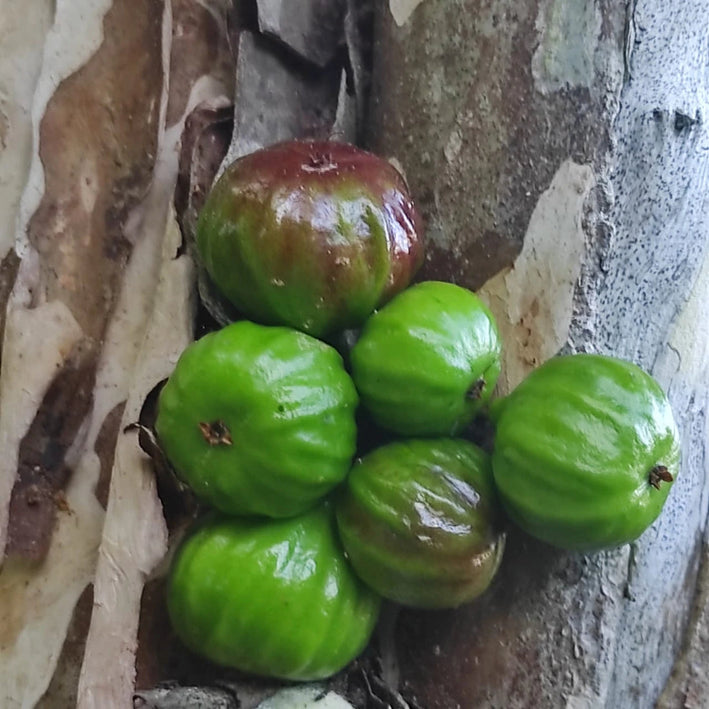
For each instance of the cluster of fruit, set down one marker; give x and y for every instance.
(285, 577)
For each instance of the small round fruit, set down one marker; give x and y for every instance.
(259, 420)
(314, 235)
(428, 361)
(586, 449)
(272, 597)
(420, 523)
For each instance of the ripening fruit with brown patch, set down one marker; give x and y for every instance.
(314, 235)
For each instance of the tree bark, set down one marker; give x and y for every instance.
(559, 152)
(98, 305)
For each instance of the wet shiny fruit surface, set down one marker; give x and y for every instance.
(272, 597)
(420, 522)
(428, 361)
(259, 420)
(585, 453)
(313, 235)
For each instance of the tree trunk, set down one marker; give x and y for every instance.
(559, 152)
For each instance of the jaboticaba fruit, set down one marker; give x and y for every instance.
(272, 597)
(420, 523)
(313, 235)
(259, 420)
(585, 452)
(428, 361)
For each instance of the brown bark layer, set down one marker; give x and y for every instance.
(98, 139)
(454, 98)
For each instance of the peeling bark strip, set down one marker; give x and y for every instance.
(533, 302)
(105, 449)
(204, 143)
(295, 102)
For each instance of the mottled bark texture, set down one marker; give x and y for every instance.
(559, 152)
(97, 303)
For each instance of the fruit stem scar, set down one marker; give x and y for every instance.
(659, 474)
(319, 162)
(216, 433)
(476, 390)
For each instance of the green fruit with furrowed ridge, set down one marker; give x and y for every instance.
(420, 522)
(428, 361)
(259, 420)
(313, 235)
(586, 449)
(272, 597)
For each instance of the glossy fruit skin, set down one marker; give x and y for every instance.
(309, 234)
(575, 444)
(272, 597)
(288, 406)
(420, 522)
(428, 361)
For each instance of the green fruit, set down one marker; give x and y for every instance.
(309, 234)
(259, 420)
(272, 597)
(585, 452)
(428, 361)
(419, 522)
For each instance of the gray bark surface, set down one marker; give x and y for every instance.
(500, 113)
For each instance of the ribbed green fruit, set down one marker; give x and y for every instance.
(310, 234)
(259, 420)
(272, 597)
(428, 361)
(586, 449)
(420, 523)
